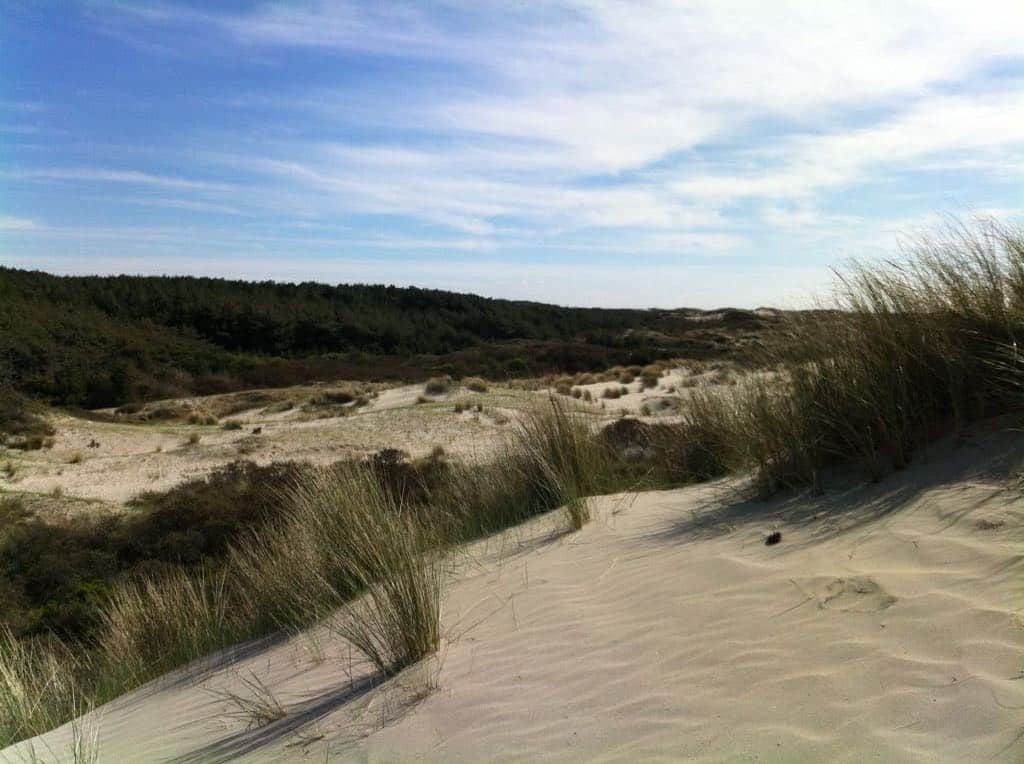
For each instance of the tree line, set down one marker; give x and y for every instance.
(103, 340)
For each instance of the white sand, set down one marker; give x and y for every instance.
(130, 458)
(886, 626)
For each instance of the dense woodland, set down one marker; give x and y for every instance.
(97, 341)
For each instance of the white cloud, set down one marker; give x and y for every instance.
(102, 175)
(9, 223)
(985, 126)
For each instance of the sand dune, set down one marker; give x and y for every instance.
(885, 626)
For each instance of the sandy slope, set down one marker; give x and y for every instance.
(886, 626)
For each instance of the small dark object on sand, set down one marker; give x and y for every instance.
(257, 430)
(773, 538)
(94, 443)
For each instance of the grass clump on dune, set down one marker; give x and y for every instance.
(437, 385)
(33, 674)
(551, 459)
(914, 349)
(348, 534)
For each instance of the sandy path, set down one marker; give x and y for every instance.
(886, 626)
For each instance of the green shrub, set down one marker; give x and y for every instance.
(437, 385)
(22, 425)
(335, 397)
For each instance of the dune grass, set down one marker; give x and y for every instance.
(348, 534)
(550, 459)
(344, 536)
(913, 349)
(32, 674)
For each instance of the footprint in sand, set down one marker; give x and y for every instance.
(859, 594)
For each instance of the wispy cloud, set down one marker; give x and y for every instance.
(131, 177)
(9, 223)
(940, 129)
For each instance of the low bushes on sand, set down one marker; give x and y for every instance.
(22, 425)
(437, 385)
(650, 375)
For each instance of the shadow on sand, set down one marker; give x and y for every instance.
(300, 715)
(988, 460)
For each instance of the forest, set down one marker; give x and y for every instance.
(93, 341)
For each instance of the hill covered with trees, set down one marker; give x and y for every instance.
(96, 341)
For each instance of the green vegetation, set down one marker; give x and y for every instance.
(103, 341)
(921, 348)
(21, 423)
(551, 459)
(347, 532)
(54, 576)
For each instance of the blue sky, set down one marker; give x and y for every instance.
(579, 152)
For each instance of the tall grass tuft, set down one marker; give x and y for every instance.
(349, 534)
(32, 674)
(912, 349)
(550, 459)
(151, 626)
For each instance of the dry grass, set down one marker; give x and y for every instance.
(347, 543)
(437, 386)
(32, 673)
(152, 626)
(255, 704)
(917, 348)
(349, 534)
(551, 459)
